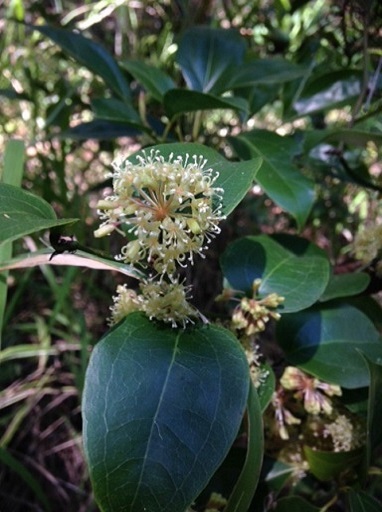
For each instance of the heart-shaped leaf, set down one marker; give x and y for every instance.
(22, 213)
(325, 341)
(287, 265)
(278, 176)
(234, 177)
(161, 408)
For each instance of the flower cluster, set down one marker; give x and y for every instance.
(159, 300)
(367, 245)
(170, 206)
(314, 392)
(345, 434)
(252, 314)
(172, 209)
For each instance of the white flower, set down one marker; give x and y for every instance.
(171, 206)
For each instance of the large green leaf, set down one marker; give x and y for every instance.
(287, 265)
(234, 177)
(178, 101)
(265, 71)
(161, 409)
(278, 175)
(22, 213)
(91, 55)
(156, 81)
(208, 58)
(326, 340)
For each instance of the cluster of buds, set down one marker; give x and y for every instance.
(252, 314)
(172, 209)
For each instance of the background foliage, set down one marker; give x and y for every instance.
(296, 84)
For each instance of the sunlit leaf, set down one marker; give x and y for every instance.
(278, 175)
(89, 54)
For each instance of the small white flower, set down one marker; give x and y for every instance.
(171, 206)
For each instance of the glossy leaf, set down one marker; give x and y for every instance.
(154, 80)
(178, 101)
(245, 487)
(345, 285)
(22, 213)
(265, 71)
(328, 465)
(207, 57)
(360, 501)
(289, 266)
(89, 54)
(278, 176)
(374, 411)
(234, 177)
(161, 409)
(328, 91)
(325, 341)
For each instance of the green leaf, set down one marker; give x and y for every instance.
(287, 265)
(208, 57)
(350, 137)
(328, 91)
(328, 465)
(11, 174)
(360, 501)
(90, 55)
(345, 285)
(245, 487)
(113, 109)
(265, 71)
(278, 176)
(295, 504)
(178, 101)
(100, 129)
(155, 81)
(234, 177)
(374, 412)
(22, 213)
(161, 409)
(325, 341)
